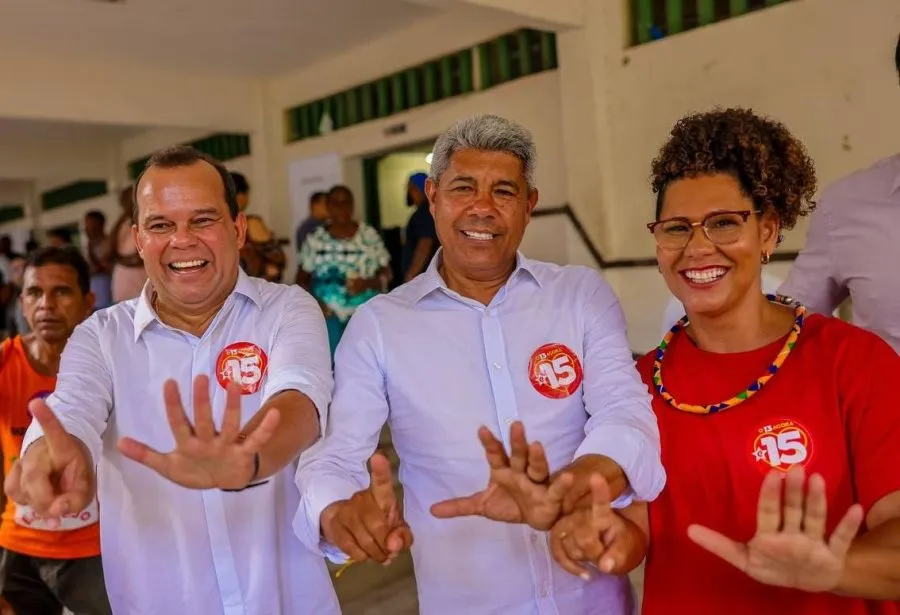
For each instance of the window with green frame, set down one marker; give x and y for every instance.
(655, 19)
(8, 213)
(452, 75)
(516, 55)
(72, 193)
(221, 146)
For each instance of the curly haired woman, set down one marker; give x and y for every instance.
(779, 429)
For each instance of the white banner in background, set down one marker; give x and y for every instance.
(311, 175)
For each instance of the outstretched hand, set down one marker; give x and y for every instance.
(204, 458)
(790, 548)
(519, 489)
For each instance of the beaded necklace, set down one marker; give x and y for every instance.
(755, 387)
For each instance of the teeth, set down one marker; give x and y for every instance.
(481, 236)
(706, 275)
(187, 264)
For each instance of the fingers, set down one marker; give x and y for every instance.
(143, 454)
(204, 427)
(54, 433)
(231, 419)
(794, 483)
(458, 507)
(12, 484)
(816, 509)
(382, 482)
(518, 445)
(344, 540)
(732, 552)
(561, 554)
(37, 489)
(400, 539)
(257, 438)
(846, 531)
(538, 467)
(178, 422)
(768, 513)
(493, 449)
(558, 489)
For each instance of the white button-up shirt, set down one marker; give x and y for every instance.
(167, 549)
(549, 350)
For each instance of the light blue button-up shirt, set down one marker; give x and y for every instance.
(436, 366)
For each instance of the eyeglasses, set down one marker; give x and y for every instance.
(721, 228)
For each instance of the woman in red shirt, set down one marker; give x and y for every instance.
(753, 395)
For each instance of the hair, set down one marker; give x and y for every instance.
(66, 257)
(897, 56)
(185, 156)
(487, 133)
(96, 214)
(340, 188)
(241, 186)
(63, 234)
(318, 196)
(770, 164)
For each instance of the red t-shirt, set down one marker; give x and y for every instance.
(832, 407)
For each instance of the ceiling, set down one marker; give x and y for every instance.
(239, 37)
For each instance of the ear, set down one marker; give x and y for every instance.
(90, 300)
(240, 225)
(532, 202)
(431, 190)
(136, 237)
(768, 232)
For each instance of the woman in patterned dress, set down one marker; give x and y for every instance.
(343, 263)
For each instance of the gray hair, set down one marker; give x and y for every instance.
(487, 133)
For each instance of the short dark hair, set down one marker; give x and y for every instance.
(340, 188)
(66, 257)
(184, 156)
(897, 55)
(63, 234)
(318, 196)
(241, 186)
(96, 214)
(770, 164)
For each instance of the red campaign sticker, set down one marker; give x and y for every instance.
(781, 445)
(555, 371)
(244, 363)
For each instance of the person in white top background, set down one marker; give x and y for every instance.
(231, 375)
(485, 337)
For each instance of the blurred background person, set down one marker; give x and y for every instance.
(421, 242)
(99, 252)
(343, 263)
(128, 274)
(261, 256)
(318, 214)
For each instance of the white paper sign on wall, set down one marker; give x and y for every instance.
(310, 175)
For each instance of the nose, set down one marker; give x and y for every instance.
(183, 237)
(699, 243)
(482, 204)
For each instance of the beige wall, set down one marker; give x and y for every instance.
(393, 178)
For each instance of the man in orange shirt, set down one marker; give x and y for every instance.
(46, 566)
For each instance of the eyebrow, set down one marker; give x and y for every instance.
(500, 182)
(209, 211)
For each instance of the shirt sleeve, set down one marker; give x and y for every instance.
(622, 425)
(300, 357)
(308, 253)
(866, 375)
(813, 279)
(83, 398)
(336, 467)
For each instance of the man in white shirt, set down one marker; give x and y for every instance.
(228, 373)
(484, 337)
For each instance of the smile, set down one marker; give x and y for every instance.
(479, 236)
(188, 266)
(708, 275)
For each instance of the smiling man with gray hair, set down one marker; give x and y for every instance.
(459, 362)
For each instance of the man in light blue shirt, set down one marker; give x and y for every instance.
(484, 337)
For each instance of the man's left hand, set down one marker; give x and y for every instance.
(203, 457)
(519, 489)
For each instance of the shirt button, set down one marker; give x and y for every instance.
(544, 590)
(497, 366)
(509, 421)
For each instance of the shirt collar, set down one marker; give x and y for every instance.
(431, 279)
(144, 314)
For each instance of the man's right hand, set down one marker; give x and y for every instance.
(369, 525)
(55, 476)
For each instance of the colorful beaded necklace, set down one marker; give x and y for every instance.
(755, 387)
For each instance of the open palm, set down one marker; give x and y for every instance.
(519, 488)
(204, 458)
(789, 548)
